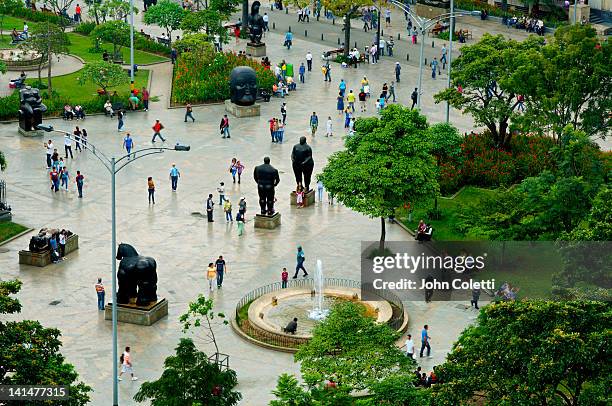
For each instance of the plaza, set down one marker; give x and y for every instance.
(174, 230)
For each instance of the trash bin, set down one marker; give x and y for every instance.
(289, 70)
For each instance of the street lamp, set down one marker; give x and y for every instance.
(131, 45)
(111, 165)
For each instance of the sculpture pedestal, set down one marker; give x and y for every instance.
(33, 133)
(268, 222)
(5, 215)
(309, 198)
(242, 111)
(256, 50)
(42, 259)
(141, 315)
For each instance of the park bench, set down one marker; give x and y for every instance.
(333, 52)
(164, 41)
(118, 106)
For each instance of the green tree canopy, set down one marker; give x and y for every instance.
(189, 378)
(346, 9)
(198, 45)
(209, 21)
(115, 32)
(531, 352)
(386, 164)
(30, 353)
(166, 14)
(351, 349)
(487, 72)
(104, 74)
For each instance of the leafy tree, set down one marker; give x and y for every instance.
(488, 72)
(346, 9)
(103, 74)
(2, 67)
(598, 224)
(398, 390)
(385, 165)
(29, 352)
(210, 21)
(201, 314)
(531, 352)
(115, 32)
(59, 6)
(47, 40)
(197, 44)
(571, 85)
(189, 378)
(352, 349)
(446, 144)
(288, 392)
(224, 7)
(116, 10)
(167, 15)
(94, 8)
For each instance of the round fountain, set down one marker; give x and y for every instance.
(18, 59)
(262, 314)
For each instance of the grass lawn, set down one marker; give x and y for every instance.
(444, 228)
(9, 229)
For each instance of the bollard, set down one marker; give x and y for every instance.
(398, 36)
(425, 61)
(272, 7)
(338, 40)
(333, 21)
(432, 44)
(273, 25)
(355, 44)
(322, 37)
(286, 10)
(407, 57)
(382, 32)
(289, 29)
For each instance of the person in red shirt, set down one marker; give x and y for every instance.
(79, 182)
(272, 128)
(77, 14)
(284, 278)
(54, 176)
(237, 33)
(157, 127)
(145, 98)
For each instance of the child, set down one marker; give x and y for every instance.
(284, 278)
(329, 127)
(221, 190)
(227, 208)
(151, 189)
(211, 275)
(240, 221)
(299, 197)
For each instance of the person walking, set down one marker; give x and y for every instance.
(84, 137)
(145, 99)
(175, 174)
(65, 177)
(189, 113)
(342, 87)
(309, 61)
(100, 292)
(300, 262)
(157, 127)
(211, 275)
(314, 123)
(221, 268)
(391, 92)
(350, 98)
(240, 222)
(120, 114)
(77, 139)
(266, 21)
(224, 127)
(288, 39)
(328, 127)
(227, 208)
(387, 17)
(242, 206)
(425, 340)
(302, 72)
(126, 364)
(54, 176)
(327, 72)
(414, 96)
(49, 147)
(221, 190)
(434, 67)
(283, 111)
(362, 100)
(68, 145)
(151, 189)
(340, 103)
(128, 144)
(409, 347)
(209, 208)
(398, 70)
(80, 180)
(320, 191)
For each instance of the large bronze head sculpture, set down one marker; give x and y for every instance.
(243, 86)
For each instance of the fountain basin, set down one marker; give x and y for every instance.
(17, 59)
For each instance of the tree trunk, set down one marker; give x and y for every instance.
(383, 233)
(347, 34)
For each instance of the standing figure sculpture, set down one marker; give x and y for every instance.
(303, 164)
(255, 24)
(137, 277)
(31, 109)
(267, 179)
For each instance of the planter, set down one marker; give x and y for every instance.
(42, 259)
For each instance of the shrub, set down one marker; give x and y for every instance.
(85, 28)
(145, 44)
(18, 9)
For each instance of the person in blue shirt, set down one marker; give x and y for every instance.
(434, 68)
(342, 87)
(300, 262)
(128, 144)
(398, 70)
(175, 174)
(425, 340)
(288, 39)
(314, 123)
(302, 71)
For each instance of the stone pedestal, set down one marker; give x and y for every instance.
(242, 111)
(256, 51)
(5, 215)
(268, 222)
(141, 315)
(584, 10)
(42, 259)
(33, 133)
(309, 198)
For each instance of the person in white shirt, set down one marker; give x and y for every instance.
(266, 20)
(25, 30)
(49, 147)
(409, 347)
(126, 364)
(381, 46)
(68, 146)
(309, 61)
(328, 126)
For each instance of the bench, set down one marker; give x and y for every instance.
(118, 106)
(333, 52)
(164, 41)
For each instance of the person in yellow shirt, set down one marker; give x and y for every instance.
(351, 100)
(211, 275)
(227, 208)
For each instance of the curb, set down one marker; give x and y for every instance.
(29, 230)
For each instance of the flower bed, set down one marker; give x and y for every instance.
(204, 78)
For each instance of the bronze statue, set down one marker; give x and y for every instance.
(256, 24)
(243, 86)
(31, 109)
(303, 164)
(267, 178)
(137, 277)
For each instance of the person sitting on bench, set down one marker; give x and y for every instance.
(291, 326)
(291, 85)
(68, 112)
(108, 108)
(19, 82)
(79, 113)
(16, 36)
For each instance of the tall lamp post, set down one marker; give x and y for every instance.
(132, 45)
(114, 166)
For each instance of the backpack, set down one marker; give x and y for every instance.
(121, 359)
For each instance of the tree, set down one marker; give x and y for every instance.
(167, 15)
(196, 44)
(201, 314)
(59, 7)
(115, 32)
(384, 166)
(2, 67)
(346, 9)
(116, 10)
(29, 352)
(288, 392)
(488, 71)
(190, 379)
(398, 390)
(531, 352)
(103, 74)
(446, 144)
(210, 21)
(95, 9)
(598, 224)
(571, 85)
(350, 348)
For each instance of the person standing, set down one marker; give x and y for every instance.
(314, 123)
(77, 13)
(209, 208)
(84, 138)
(391, 92)
(240, 222)
(242, 206)
(425, 340)
(54, 176)
(350, 98)
(414, 96)
(100, 292)
(443, 57)
(309, 61)
(49, 149)
(340, 103)
(221, 190)
(387, 17)
(120, 114)
(151, 189)
(227, 208)
(302, 72)
(475, 297)
(328, 132)
(128, 144)
(284, 278)
(224, 127)
(157, 127)
(362, 100)
(283, 111)
(320, 191)
(434, 68)
(77, 139)
(381, 46)
(80, 180)
(398, 70)
(126, 364)
(145, 98)
(327, 71)
(211, 275)
(266, 21)
(189, 113)
(221, 269)
(300, 262)
(68, 146)
(409, 347)
(175, 174)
